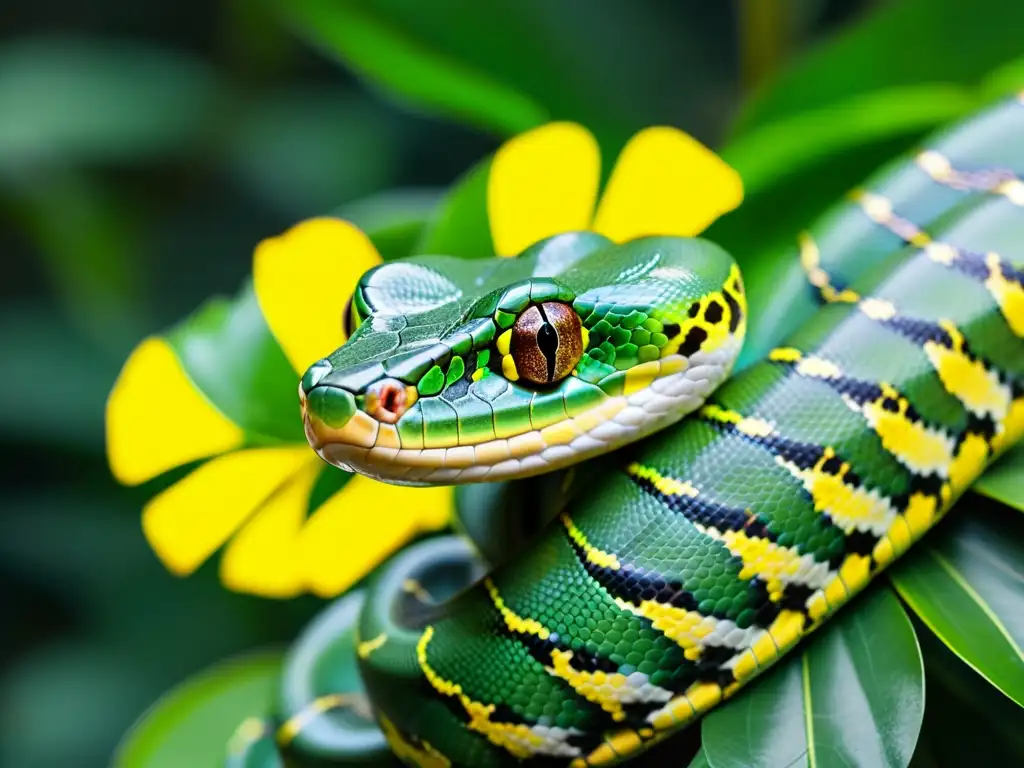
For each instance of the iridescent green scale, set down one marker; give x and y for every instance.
(708, 551)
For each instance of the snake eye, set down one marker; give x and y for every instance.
(547, 342)
(388, 399)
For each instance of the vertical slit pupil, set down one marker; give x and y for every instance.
(547, 341)
(346, 318)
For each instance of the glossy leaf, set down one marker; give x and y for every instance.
(72, 100)
(394, 220)
(966, 585)
(513, 65)
(763, 232)
(1004, 481)
(967, 721)
(1005, 80)
(414, 70)
(700, 760)
(899, 43)
(193, 723)
(787, 146)
(853, 696)
(460, 226)
(231, 356)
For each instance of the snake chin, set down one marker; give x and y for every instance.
(682, 387)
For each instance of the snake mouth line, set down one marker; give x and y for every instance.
(680, 386)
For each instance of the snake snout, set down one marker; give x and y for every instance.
(327, 408)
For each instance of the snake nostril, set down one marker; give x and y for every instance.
(387, 400)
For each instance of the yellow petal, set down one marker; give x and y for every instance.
(541, 183)
(188, 522)
(362, 524)
(666, 183)
(304, 279)
(263, 558)
(158, 420)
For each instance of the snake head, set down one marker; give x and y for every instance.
(463, 370)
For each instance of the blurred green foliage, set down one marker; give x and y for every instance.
(146, 148)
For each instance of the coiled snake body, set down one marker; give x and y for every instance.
(684, 565)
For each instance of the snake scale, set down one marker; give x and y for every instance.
(678, 567)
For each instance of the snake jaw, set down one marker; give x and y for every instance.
(679, 386)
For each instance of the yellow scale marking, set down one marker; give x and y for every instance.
(291, 727)
(939, 167)
(718, 332)
(920, 448)
(967, 379)
(422, 755)
(810, 260)
(850, 507)
(685, 628)
(1008, 294)
(593, 555)
(764, 559)
(508, 364)
(365, 648)
(513, 621)
(417, 590)
(609, 690)
(917, 446)
(248, 732)
(640, 376)
(669, 486)
(518, 739)
(761, 558)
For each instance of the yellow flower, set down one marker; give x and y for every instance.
(251, 493)
(546, 181)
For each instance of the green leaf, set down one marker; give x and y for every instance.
(967, 721)
(394, 220)
(382, 52)
(853, 696)
(966, 585)
(193, 723)
(229, 353)
(74, 100)
(791, 144)
(509, 66)
(1004, 480)
(1003, 81)
(901, 43)
(305, 148)
(762, 232)
(460, 226)
(700, 760)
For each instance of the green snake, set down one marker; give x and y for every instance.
(672, 570)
